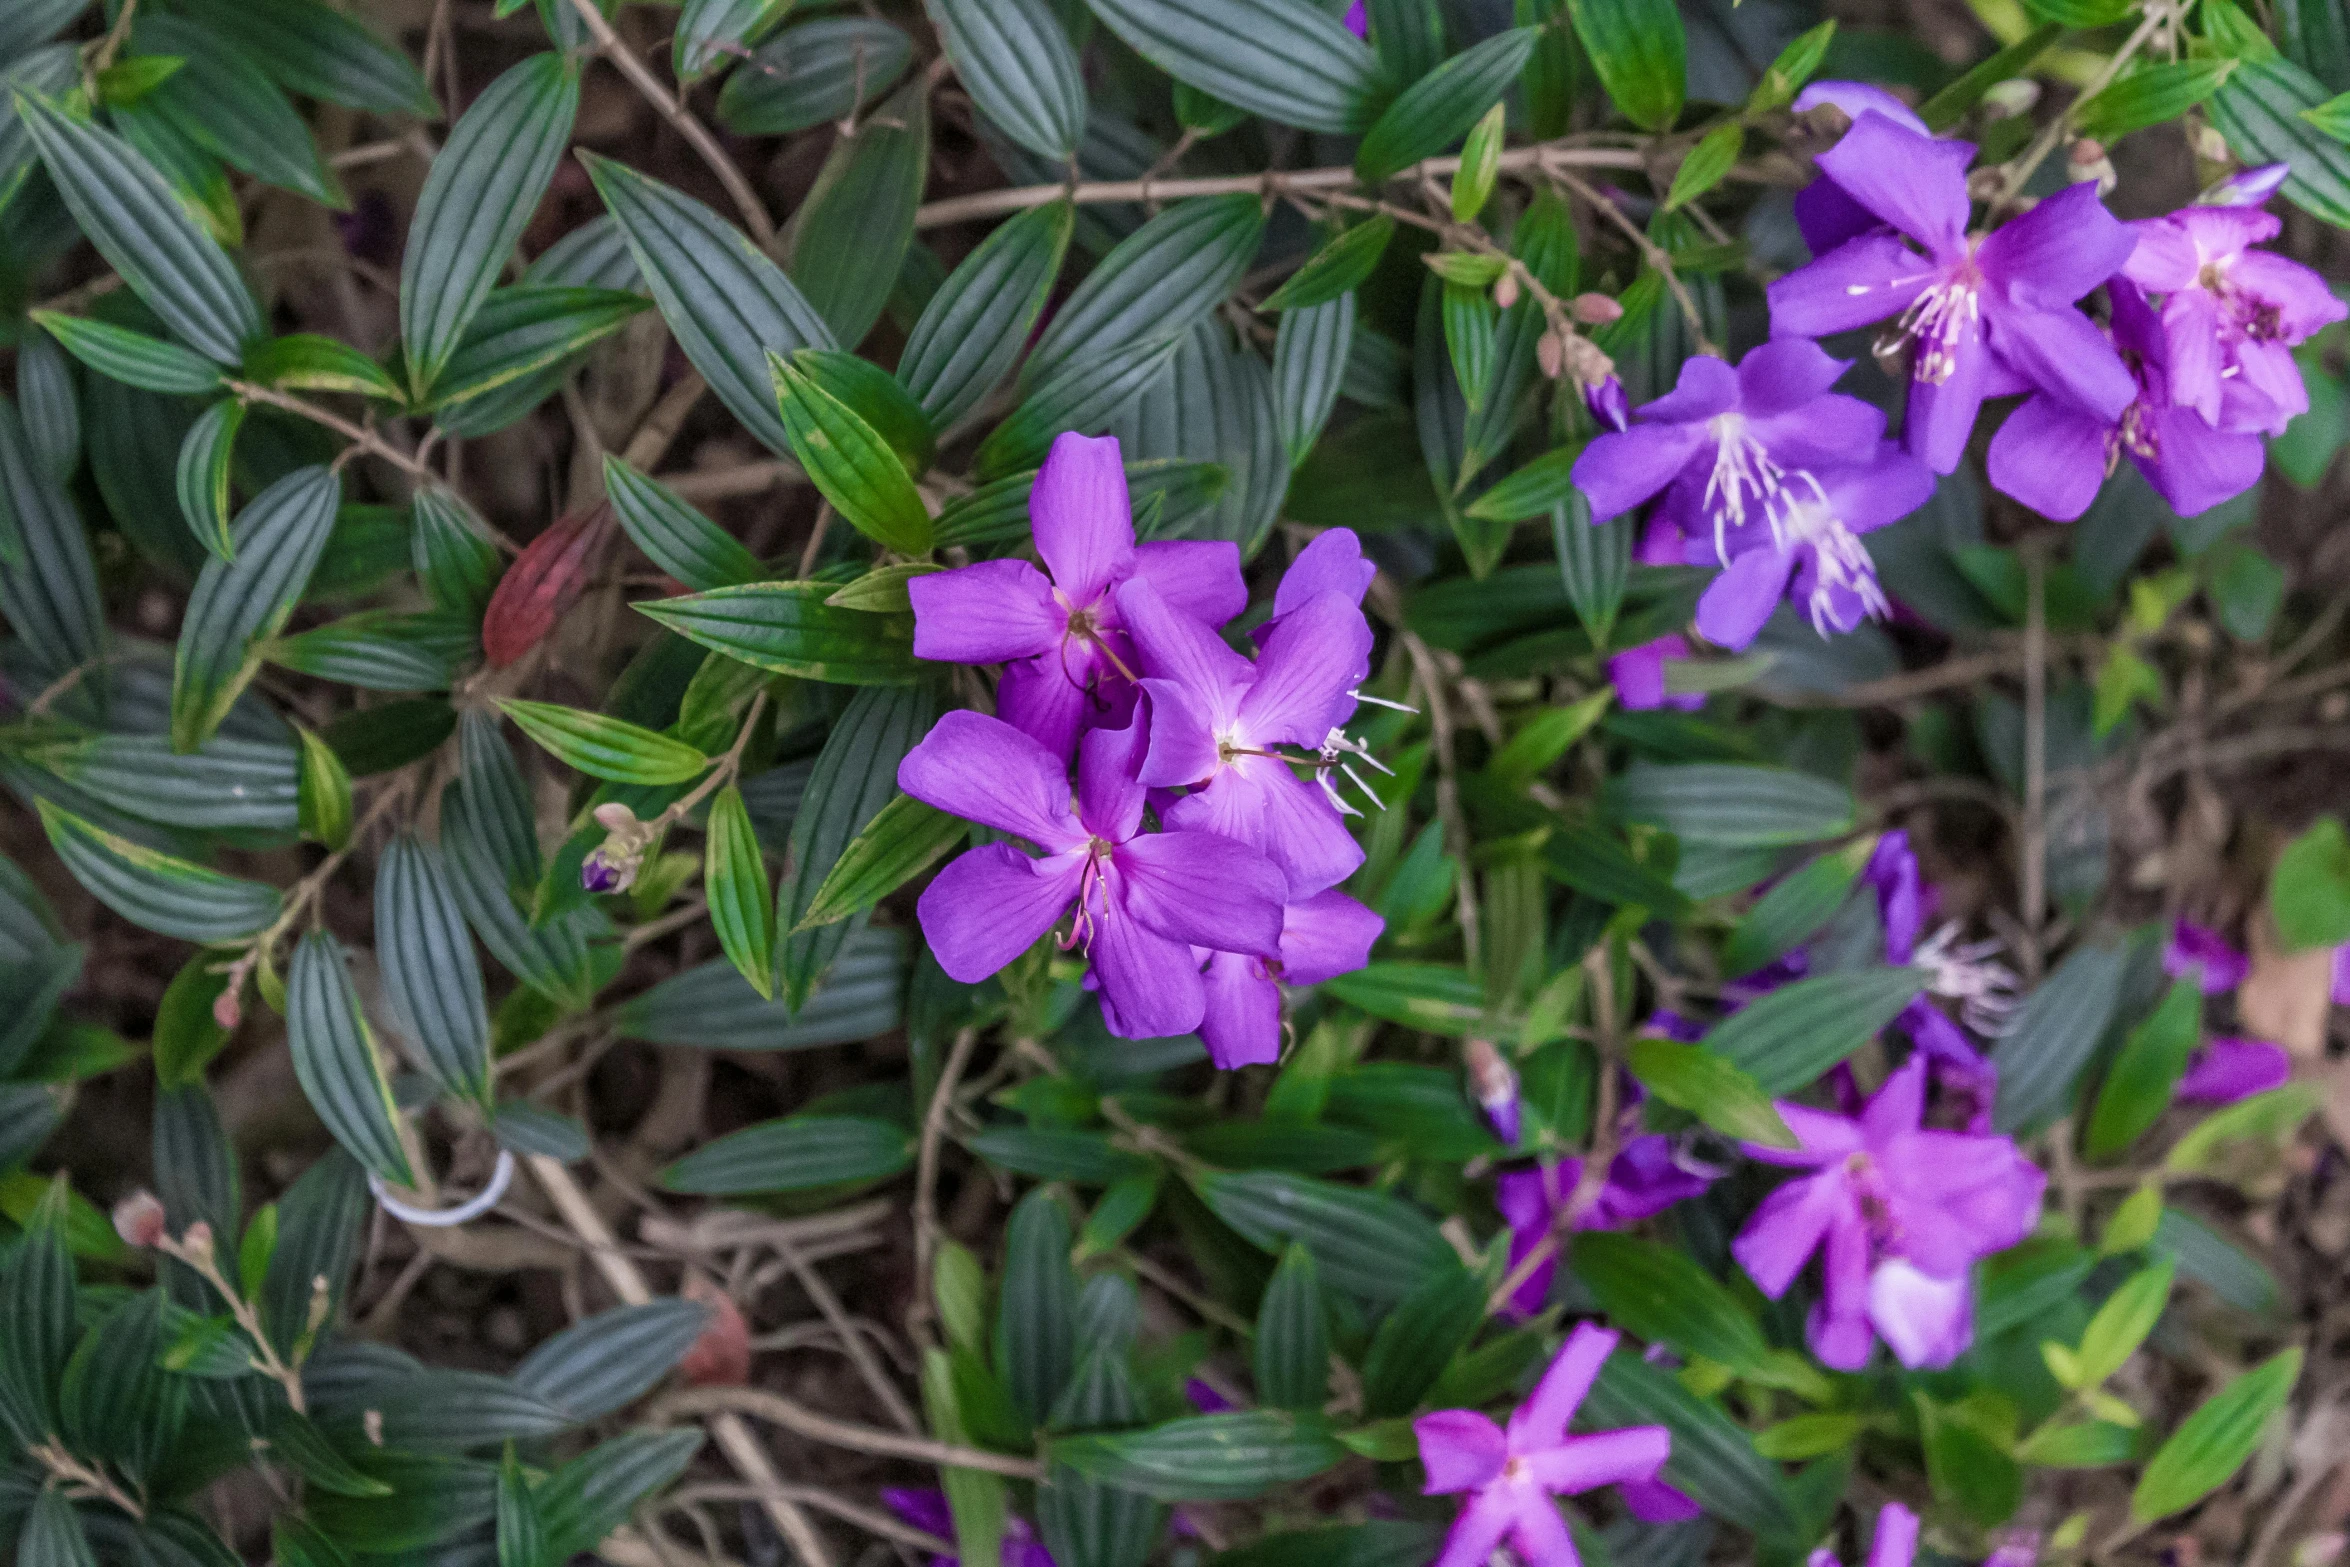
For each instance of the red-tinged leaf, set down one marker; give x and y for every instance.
(721, 1357)
(543, 583)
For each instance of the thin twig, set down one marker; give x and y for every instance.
(934, 1129)
(1448, 792)
(2021, 171)
(1650, 251)
(866, 1518)
(800, 1420)
(2033, 873)
(359, 435)
(852, 1342)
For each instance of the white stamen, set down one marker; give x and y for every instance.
(1987, 992)
(1742, 464)
(1841, 561)
(1380, 701)
(1938, 319)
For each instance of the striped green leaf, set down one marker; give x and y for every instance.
(673, 535)
(787, 627)
(850, 463)
(158, 891)
(1016, 61)
(431, 977)
(797, 1153)
(734, 876)
(604, 747)
(1291, 61)
(131, 357)
(277, 540)
(971, 333)
(203, 476)
(337, 1059)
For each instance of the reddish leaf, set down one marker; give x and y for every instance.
(721, 1357)
(543, 583)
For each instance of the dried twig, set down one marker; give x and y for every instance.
(800, 1420)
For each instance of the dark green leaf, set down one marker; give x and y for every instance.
(850, 462)
(1667, 1298)
(2055, 1033)
(277, 539)
(1795, 908)
(742, 911)
(709, 31)
(1292, 1357)
(156, 891)
(457, 565)
(1788, 1038)
(1309, 367)
(431, 978)
(1058, 1153)
(1228, 1457)
(1173, 271)
(1438, 109)
(609, 1360)
(132, 357)
(1086, 393)
(1732, 806)
(585, 1499)
(1342, 265)
(898, 845)
(1016, 62)
(2259, 111)
(2150, 95)
(971, 333)
(315, 50)
(1035, 1329)
(1640, 51)
(53, 1534)
(1366, 1243)
(337, 1059)
(1695, 1079)
(48, 580)
(520, 331)
(848, 237)
(824, 69)
(1288, 60)
(204, 473)
(797, 1153)
(1713, 1458)
(225, 103)
(714, 1007)
(1419, 1338)
(2139, 1085)
(674, 536)
(521, 1536)
(37, 1294)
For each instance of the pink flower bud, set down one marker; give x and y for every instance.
(227, 1010)
(1551, 355)
(1505, 290)
(1595, 309)
(139, 1219)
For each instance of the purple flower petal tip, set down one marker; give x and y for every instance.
(2227, 1070)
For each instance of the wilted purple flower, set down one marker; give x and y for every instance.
(601, 872)
(1142, 901)
(1639, 675)
(928, 1510)
(1322, 937)
(1069, 665)
(1512, 1475)
(1217, 721)
(1810, 551)
(2204, 952)
(2231, 312)
(1896, 1543)
(2052, 454)
(1647, 1176)
(1903, 1213)
(2247, 187)
(1986, 314)
(2227, 1070)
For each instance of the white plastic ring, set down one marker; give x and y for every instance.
(449, 1218)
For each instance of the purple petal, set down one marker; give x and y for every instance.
(2266, 393)
(1619, 471)
(990, 613)
(1175, 647)
(1787, 1228)
(2341, 990)
(2059, 250)
(1539, 1534)
(986, 771)
(1896, 1544)
(1914, 182)
(1941, 414)
(1857, 99)
(1840, 1342)
(1196, 577)
(1898, 1106)
(1204, 1398)
(1314, 658)
(2050, 456)
(2302, 300)
(2163, 256)
(1183, 746)
(1109, 795)
(2194, 948)
(1460, 1449)
(1864, 280)
(1638, 673)
(2059, 351)
(2191, 358)
(2248, 187)
(1083, 519)
(1585, 1463)
(1735, 604)
(1053, 696)
(1541, 1421)
(1893, 871)
(1258, 801)
(991, 905)
(1823, 433)
(2195, 467)
(1827, 218)
(1478, 1531)
(1358, 19)
(1332, 563)
(1242, 1023)
(1326, 935)
(1528, 1199)
(1150, 986)
(1928, 1322)
(1201, 889)
(1786, 374)
(1705, 387)
(1654, 1501)
(922, 1509)
(2227, 1070)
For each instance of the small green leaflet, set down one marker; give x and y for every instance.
(603, 747)
(897, 846)
(742, 909)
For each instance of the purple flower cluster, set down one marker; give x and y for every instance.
(1114, 661)
(1766, 472)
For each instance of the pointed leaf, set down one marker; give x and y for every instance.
(337, 1059)
(1288, 60)
(278, 539)
(742, 911)
(156, 891)
(204, 474)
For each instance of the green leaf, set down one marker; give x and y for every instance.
(974, 327)
(1288, 60)
(1441, 107)
(117, 1401)
(1708, 163)
(2139, 1086)
(1166, 277)
(316, 51)
(337, 1060)
(1791, 69)
(38, 1295)
(884, 589)
(975, 1498)
(1542, 484)
(788, 628)
(304, 362)
(186, 1037)
(587, 1498)
(1596, 863)
(673, 535)
(1036, 1311)
(2055, 1033)
(1795, 907)
(2270, 1117)
(1693, 1078)
(899, 844)
(1947, 107)
(1713, 1458)
(605, 747)
(2214, 1441)
(204, 475)
(1366, 1243)
(222, 100)
(456, 564)
(1788, 1038)
(1344, 262)
(825, 69)
(553, 958)
(138, 225)
(710, 31)
(606, 1362)
(1472, 182)
(1309, 370)
(48, 579)
(30, 22)
(132, 357)
(153, 890)
(2085, 1444)
(2150, 95)
(1227, 1457)
(879, 399)
(520, 331)
(431, 978)
(1085, 393)
(713, 1007)
(324, 801)
(52, 1535)
(847, 241)
(1469, 322)
(742, 911)
(1967, 1459)
(1667, 1298)
(521, 1535)
(1292, 1355)
(727, 304)
(1419, 1338)
(1430, 996)
(1016, 61)
(2123, 1322)
(382, 650)
(1059, 1153)
(850, 463)
(1732, 806)
(478, 197)
(2309, 892)
(797, 1153)
(1640, 51)
(277, 541)
(2259, 110)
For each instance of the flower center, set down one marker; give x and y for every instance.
(1876, 1204)
(1742, 470)
(1964, 971)
(1940, 320)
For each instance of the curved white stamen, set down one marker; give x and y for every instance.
(1987, 992)
(1939, 319)
(465, 1212)
(1742, 468)
(1841, 562)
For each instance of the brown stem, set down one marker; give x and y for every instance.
(934, 1129)
(800, 1420)
(1651, 252)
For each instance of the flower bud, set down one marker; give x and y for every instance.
(139, 1219)
(1505, 290)
(606, 870)
(2085, 160)
(1495, 1084)
(227, 1010)
(197, 1241)
(613, 816)
(2246, 187)
(2005, 100)
(1595, 309)
(1550, 353)
(1605, 399)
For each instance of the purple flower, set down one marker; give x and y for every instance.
(1322, 937)
(2200, 950)
(1512, 1475)
(1825, 214)
(1896, 1544)
(2247, 187)
(1987, 314)
(2230, 311)
(2052, 454)
(1903, 1213)
(1903, 899)
(1358, 20)
(928, 1510)
(1069, 661)
(1143, 901)
(1647, 1176)
(2227, 1070)
(1605, 398)
(1639, 675)
(1810, 550)
(1217, 720)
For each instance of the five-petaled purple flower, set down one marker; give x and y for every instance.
(1896, 1543)
(1322, 937)
(1511, 1476)
(1985, 314)
(1903, 1212)
(1068, 663)
(1142, 900)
